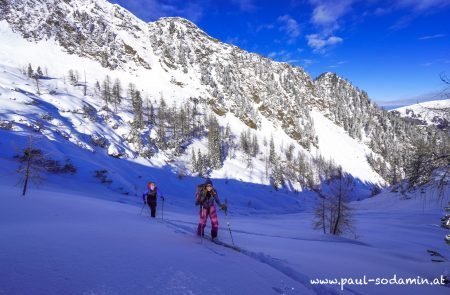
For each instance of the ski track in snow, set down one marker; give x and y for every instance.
(333, 239)
(274, 263)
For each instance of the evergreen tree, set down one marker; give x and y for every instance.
(30, 72)
(151, 117)
(277, 176)
(255, 145)
(289, 152)
(137, 110)
(117, 93)
(106, 91)
(39, 72)
(161, 130)
(245, 142)
(194, 162)
(214, 143)
(272, 155)
(97, 89)
(200, 164)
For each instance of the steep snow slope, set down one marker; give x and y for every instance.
(65, 103)
(335, 144)
(174, 59)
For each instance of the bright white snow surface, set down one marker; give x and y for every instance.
(427, 111)
(73, 235)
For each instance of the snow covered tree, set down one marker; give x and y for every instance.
(272, 155)
(254, 145)
(214, 143)
(426, 160)
(116, 93)
(289, 152)
(161, 140)
(193, 162)
(30, 72)
(138, 121)
(202, 167)
(277, 176)
(97, 89)
(39, 72)
(106, 91)
(151, 114)
(73, 78)
(245, 142)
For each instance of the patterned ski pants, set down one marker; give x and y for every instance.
(204, 213)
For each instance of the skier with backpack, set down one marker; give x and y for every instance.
(150, 197)
(205, 196)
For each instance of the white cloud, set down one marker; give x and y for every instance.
(245, 5)
(265, 27)
(421, 5)
(338, 64)
(326, 17)
(286, 56)
(326, 13)
(281, 55)
(320, 43)
(290, 26)
(432, 37)
(307, 62)
(415, 8)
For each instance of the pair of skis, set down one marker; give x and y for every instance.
(218, 242)
(223, 244)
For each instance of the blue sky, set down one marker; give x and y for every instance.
(395, 50)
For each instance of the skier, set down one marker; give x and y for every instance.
(150, 196)
(205, 197)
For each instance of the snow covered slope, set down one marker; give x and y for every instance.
(429, 112)
(59, 242)
(67, 109)
(174, 59)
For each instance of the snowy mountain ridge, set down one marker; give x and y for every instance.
(184, 64)
(427, 113)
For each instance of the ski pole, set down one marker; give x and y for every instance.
(162, 213)
(142, 209)
(201, 224)
(229, 227)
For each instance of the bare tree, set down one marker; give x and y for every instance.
(31, 165)
(85, 84)
(38, 84)
(332, 214)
